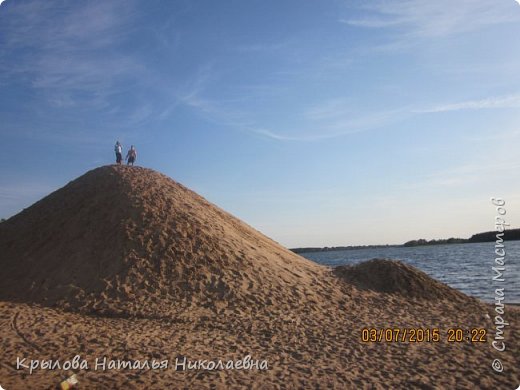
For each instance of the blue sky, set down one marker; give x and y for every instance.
(317, 122)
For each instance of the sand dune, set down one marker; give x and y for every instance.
(124, 262)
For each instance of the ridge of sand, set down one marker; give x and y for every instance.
(396, 277)
(124, 262)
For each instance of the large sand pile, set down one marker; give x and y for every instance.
(128, 264)
(130, 241)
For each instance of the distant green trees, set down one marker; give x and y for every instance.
(509, 235)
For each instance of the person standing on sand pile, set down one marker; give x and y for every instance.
(131, 155)
(119, 152)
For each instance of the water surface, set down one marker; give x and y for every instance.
(466, 267)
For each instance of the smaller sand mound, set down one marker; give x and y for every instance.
(395, 277)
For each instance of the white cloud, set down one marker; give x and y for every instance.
(372, 22)
(510, 101)
(425, 18)
(330, 119)
(333, 118)
(68, 59)
(336, 125)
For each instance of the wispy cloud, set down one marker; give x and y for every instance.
(412, 23)
(326, 120)
(279, 137)
(338, 118)
(222, 111)
(373, 22)
(510, 101)
(333, 118)
(68, 54)
(85, 68)
(425, 18)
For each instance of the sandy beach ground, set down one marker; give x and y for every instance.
(318, 348)
(125, 263)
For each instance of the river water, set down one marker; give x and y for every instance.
(466, 267)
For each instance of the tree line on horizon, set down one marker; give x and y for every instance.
(509, 235)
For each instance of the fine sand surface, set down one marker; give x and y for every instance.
(127, 264)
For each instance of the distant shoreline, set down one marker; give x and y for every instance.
(509, 235)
